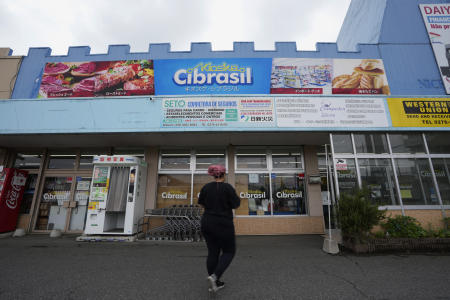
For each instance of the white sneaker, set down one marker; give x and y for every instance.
(212, 283)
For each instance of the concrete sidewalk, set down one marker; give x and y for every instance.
(266, 267)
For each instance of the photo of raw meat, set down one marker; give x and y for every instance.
(97, 79)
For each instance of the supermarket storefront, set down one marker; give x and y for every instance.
(282, 122)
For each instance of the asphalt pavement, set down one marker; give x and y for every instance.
(265, 267)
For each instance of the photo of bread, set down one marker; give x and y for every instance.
(359, 76)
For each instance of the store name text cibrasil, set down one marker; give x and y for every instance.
(209, 74)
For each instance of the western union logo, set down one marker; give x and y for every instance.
(426, 107)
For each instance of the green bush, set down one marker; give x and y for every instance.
(403, 226)
(357, 215)
(447, 223)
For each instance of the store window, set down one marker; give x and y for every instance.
(28, 161)
(205, 158)
(173, 189)
(378, 176)
(254, 191)
(442, 171)
(270, 181)
(183, 172)
(286, 159)
(175, 160)
(27, 199)
(287, 194)
(407, 143)
(62, 161)
(415, 181)
(371, 143)
(251, 159)
(438, 142)
(346, 175)
(342, 143)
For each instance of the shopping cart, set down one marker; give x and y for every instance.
(181, 223)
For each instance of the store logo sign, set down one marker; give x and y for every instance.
(174, 195)
(257, 195)
(209, 73)
(288, 194)
(212, 76)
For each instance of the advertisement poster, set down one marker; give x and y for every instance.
(328, 76)
(419, 112)
(212, 76)
(331, 112)
(437, 21)
(217, 112)
(100, 177)
(97, 79)
(301, 76)
(359, 76)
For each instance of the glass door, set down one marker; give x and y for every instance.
(63, 203)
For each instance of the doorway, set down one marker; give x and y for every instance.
(63, 201)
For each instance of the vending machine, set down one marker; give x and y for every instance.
(117, 195)
(12, 186)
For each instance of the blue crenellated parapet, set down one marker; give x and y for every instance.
(28, 79)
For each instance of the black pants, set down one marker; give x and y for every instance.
(220, 237)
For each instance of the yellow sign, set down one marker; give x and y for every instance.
(419, 112)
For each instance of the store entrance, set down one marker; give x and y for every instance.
(63, 201)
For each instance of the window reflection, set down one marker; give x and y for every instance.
(378, 176)
(371, 143)
(253, 189)
(407, 143)
(442, 171)
(288, 194)
(415, 180)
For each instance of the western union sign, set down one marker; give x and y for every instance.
(420, 112)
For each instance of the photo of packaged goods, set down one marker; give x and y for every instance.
(366, 76)
(300, 75)
(99, 78)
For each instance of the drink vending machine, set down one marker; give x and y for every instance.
(117, 195)
(12, 186)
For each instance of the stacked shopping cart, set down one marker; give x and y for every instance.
(181, 223)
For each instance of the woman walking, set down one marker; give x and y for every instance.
(218, 198)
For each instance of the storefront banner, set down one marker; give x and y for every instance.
(329, 112)
(301, 76)
(217, 112)
(97, 79)
(212, 76)
(328, 76)
(437, 21)
(419, 112)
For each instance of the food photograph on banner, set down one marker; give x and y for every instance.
(97, 79)
(301, 76)
(212, 76)
(359, 76)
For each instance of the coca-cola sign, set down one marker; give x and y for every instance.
(17, 183)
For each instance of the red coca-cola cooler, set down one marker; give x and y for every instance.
(12, 186)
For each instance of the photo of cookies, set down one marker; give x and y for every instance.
(359, 76)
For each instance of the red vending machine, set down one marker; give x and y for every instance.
(12, 186)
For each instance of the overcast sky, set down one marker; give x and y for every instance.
(59, 24)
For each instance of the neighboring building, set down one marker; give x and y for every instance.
(378, 109)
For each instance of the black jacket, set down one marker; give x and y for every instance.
(219, 198)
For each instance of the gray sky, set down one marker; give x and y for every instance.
(59, 24)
